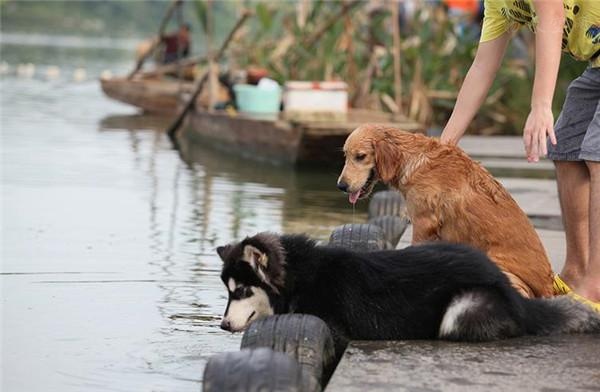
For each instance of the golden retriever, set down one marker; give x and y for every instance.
(449, 197)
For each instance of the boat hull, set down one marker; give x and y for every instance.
(151, 95)
(277, 141)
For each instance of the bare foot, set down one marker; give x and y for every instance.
(572, 276)
(588, 287)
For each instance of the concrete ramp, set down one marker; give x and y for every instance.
(558, 363)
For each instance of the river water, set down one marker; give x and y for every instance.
(109, 278)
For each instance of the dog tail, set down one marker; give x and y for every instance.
(561, 314)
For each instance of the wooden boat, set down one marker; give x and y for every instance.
(279, 141)
(267, 139)
(152, 95)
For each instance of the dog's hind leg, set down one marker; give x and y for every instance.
(478, 315)
(519, 285)
(425, 227)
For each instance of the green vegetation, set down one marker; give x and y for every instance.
(326, 43)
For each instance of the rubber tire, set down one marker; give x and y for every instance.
(304, 337)
(253, 370)
(358, 236)
(392, 226)
(387, 203)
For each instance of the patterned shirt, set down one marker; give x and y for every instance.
(581, 32)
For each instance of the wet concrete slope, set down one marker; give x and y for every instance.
(560, 363)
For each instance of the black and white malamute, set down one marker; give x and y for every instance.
(436, 290)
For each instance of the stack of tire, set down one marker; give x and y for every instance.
(387, 222)
(296, 352)
(289, 352)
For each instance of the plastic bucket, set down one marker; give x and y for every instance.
(253, 99)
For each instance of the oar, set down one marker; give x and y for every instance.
(200, 84)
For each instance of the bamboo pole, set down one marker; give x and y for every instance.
(202, 81)
(350, 64)
(212, 69)
(396, 48)
(390, 103)
(364, 88)
(302, 7)
(161, 31)
(179, 46)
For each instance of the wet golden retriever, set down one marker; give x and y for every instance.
(449, 197)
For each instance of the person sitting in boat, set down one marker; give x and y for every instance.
(176, 45)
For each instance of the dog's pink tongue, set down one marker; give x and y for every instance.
(353, 197)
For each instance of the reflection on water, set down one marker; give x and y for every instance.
(296, 200)
(205, 199)
(109, 275)
(135, 122)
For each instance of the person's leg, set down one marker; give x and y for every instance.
(573, 180)
(589, 284)
(578, 141)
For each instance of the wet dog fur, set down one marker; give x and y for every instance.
(449, 197)
(436, 290)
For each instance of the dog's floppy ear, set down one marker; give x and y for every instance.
(255, 257)
(223, 251)
(387, 160)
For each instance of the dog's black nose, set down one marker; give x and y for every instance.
(342, 186)
(226, 325)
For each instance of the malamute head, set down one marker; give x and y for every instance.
(253, 273)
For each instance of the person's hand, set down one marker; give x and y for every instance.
(540, 123)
